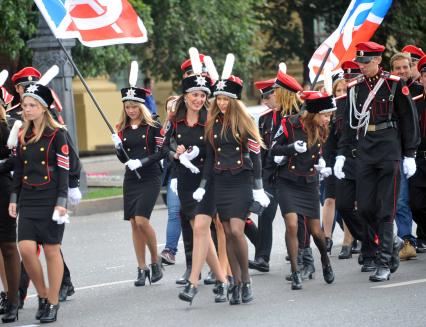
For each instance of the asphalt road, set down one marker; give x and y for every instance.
(99, 252)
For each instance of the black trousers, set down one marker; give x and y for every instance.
(264, 234)
(377, 194)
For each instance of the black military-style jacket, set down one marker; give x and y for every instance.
(393, 128)
(144, 143)
(297, 165)
(4, 150)
(415, 87)
(43, 165)
(419, 178)
(188, 136)
(269, 123)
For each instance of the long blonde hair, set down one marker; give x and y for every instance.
(144, 115)
(237, 118)
(315, 132)
(2, 114)
(47, 121)
(287, 101)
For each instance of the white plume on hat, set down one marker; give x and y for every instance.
(211, 68)
(12, 140)
(282, 67)
(49, 75)
(133, 76)
(197, 66)
(328, 81)
(227, 67)
(3, 76)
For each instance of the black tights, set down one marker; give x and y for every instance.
(237, 249)
(12, 266)
(292, 242)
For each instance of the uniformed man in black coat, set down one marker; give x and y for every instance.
(387, 129)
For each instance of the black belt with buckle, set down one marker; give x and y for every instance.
(380, 126)
(421, 154)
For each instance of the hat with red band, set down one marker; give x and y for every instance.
(415, 52)
(318, 102)
(26, 76)
(365, 51)
(421, 65)
(265, 87)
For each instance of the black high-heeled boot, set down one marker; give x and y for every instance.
(246, 293)
(50, 313)
(296, 282)
(221, 292)
(143, 274)
(329, 244)
(42, 302)
(188, 293)
(11, 313)
(235, 295)
(157, 272)
(308, 268)
(328, 274)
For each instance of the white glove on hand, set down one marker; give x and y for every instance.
(74, 196)
(278, 159)
(409, 166)
(326, 172)
(60, 219)
(184, 160)
(192, 154)
(300, 146)
(117, 141)
(133, 164)
(321, 164)
(173, 185)
(338, 167)
(261, 197)
(199, 194)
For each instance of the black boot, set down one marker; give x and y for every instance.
(67, 289)
(368, 264)
(355, 248)
(308, 269)
(381, 274)
(329, 244)
(143, 274)
(157, 271)
(184, 279)
(296, 281)
(188, 293)
(24, 282)
(259, 264)
(398, 244)
(221, 292)
(210, 279)
(42, 303)
(346, 252)
(300, 263)
(246, 293)
(235, 295)
(328, 274)
(50, 313)
(11, 313)
(3, 302)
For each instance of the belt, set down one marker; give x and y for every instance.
(421, 154)
(353, 152)
(380, 126)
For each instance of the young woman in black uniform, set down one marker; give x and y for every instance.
(140, 135)
(300, 138)
(234, 166)
(40, 193)
(187, 128)
(8, 248)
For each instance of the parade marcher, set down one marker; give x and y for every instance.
(40, 190)
(187, 128)
(401, 66)
(140, 135)
(415, 54)
(233, 164)
(9, 250)
(387, 127)
(300, 138)
(417, 183)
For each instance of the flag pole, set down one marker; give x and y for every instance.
(321, 68)
(94, 100)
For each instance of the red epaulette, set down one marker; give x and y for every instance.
(393, 77)
(341, 97)
(418, 97)
(355, 81)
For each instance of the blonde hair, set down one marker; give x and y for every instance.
(2, 114)
(315, 132)
(336, 84)
(287, 101)
(237, 118)
(47, 121)
(144, 115)
(170, 109)
(400, 56)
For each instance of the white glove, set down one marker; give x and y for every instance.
(409, 166)
(300, 146)
(133, 164)
(278, 159)
(183, 158)
(321, 164)
(117, 140)
(338, 167)
(74, 196)
(173, 185)
(60, 219)
(326, 172)
(199, 194)
(192, 154)
(261, 197)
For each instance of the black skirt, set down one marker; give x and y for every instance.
(233, 194)
(298, 197)
(7, 223)
(187, 185)
(330, 187)
(140, 196)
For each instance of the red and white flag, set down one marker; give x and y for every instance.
(94, 22)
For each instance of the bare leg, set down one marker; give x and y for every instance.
(139, 244)
(55, 270)
(150, 237)
(347, 236)
(3, 273)
(221, 242)
(292, 242)
(28, 250)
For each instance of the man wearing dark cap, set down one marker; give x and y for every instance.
(386, 124)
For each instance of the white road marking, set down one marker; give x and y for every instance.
(410, 282)
(114, 267)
